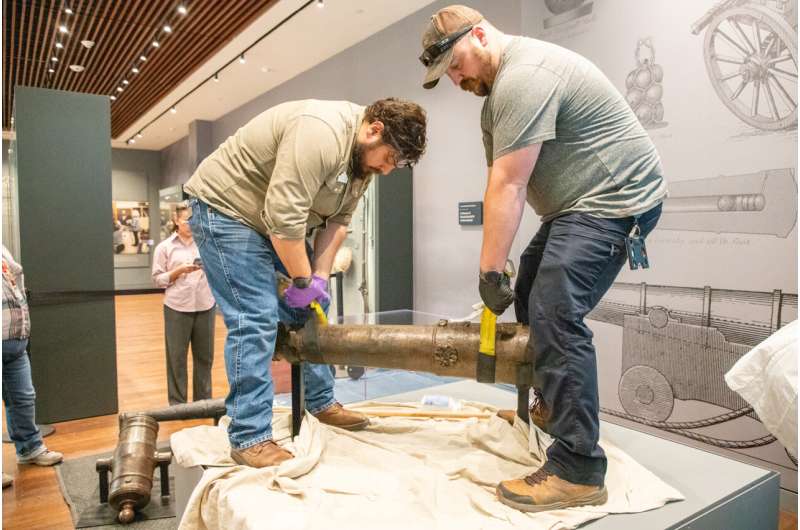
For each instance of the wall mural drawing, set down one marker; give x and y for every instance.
(566, 11)
(750, 53)
(678, 343)
(644, 89)
(764, 202)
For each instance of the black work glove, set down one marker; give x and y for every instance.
(496, 292)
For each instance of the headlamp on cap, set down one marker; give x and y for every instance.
(436, 49)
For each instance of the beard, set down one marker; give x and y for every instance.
(480, 85)
(475, 85)
(358, 169)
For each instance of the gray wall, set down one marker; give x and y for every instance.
(136, 176)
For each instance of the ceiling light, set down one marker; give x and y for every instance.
(182, 9)
(216, 77)
(320, 4)
(173, 110)
(156, 44)
(62, 29)
(51, 70)
(124, 81)
(68, 10)
(139, 134)
(113, 98)
(119, 89)
(167, 29)
(88, 44)
(131, 141)
(59, 45)
(142, 58)
(135, 70)
(54, 59)
(77, 68)
(242, 59)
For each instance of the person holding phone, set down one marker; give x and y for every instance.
(189, 310)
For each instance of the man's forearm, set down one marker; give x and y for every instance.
(292, 253)
(503, 204)
(326, 244)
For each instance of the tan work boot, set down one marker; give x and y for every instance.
(263, 454)
(338, 416)
(543, 491)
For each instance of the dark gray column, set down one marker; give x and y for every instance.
(394, 237)
(64, 171)
(200, 143)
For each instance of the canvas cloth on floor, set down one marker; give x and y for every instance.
(400, 473)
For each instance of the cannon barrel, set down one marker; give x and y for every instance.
(449, 349)
(205, 408)
(132, 465)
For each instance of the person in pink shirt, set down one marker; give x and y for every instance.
(189, 311)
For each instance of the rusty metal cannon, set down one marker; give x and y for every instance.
(132, 465)
(448, 348)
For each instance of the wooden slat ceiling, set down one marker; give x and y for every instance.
(122, 30)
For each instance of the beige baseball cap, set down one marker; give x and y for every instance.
(446, 23)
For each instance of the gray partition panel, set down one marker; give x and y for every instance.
(394, 240)
(64, 168)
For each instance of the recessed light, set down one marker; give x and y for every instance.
(113, 98)
(142, 58)
(119, 89)
(135, 70)
(139, 134)
(88, 44)
(77, 68)
(51, 70)
(182, 9)
(167, 29)
(156, 44)
(63, 29)
(59, 46)
(124, 81)
(54, 59)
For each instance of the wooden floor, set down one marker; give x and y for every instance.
(34, 501)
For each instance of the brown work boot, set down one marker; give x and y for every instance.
(543, 491)
(539, 413)
(264, 454)
(338, 416)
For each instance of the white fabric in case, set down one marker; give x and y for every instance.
(400, 473)
(766, 377)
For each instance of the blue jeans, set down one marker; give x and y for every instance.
(20, 398)
(565, 271)
(240, 265)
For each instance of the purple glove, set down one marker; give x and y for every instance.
(317, 290)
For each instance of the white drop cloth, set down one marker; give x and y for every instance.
(400, 473)
(766, 377)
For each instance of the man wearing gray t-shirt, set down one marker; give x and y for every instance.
(560, 136)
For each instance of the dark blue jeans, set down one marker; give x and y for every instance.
(567, 268)
(240, 265)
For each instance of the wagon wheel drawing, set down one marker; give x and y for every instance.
(646, 393)
(562, 6)
(751, 59)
